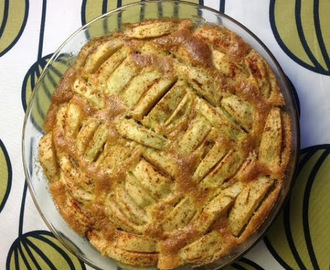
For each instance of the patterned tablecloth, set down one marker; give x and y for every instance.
(296, 32)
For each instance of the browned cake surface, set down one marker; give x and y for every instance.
(166, 143)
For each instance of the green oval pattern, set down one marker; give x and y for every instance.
(300, 239)
(45, 88)
(5, 175)
(13, 16)
(40, 250)
(301, 28)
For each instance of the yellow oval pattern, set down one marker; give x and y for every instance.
(5, 175)
(94, 8)
(301, 29)
(13, 16)
(299, 239)
(41, 250)
(46, 89)
(243, 264)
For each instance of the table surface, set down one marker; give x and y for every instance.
(296, 32)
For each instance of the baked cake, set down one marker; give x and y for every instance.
(166, 143)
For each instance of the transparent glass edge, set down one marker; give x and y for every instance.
(295, 124)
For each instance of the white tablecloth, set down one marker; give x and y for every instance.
(296, 32)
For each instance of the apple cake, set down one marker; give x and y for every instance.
(166, 143)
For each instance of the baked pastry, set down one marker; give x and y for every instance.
(166, 143)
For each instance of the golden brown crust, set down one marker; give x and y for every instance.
(167, 143)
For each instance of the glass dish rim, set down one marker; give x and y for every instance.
(294, 118)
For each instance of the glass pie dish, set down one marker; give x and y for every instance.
(65, 57)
